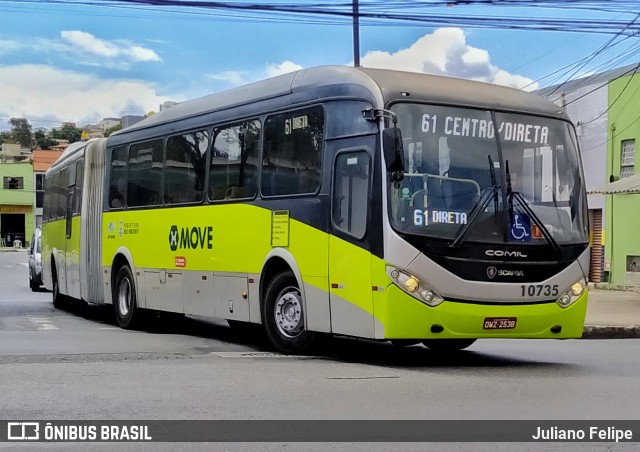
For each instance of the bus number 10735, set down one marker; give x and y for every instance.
(536, 290)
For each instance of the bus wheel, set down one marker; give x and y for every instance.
(58, 298)
(447, 345)
(283, 317)
(124, 299)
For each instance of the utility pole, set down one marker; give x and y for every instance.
(356, 35)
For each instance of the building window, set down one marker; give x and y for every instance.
(13, 183)
(627, 166)
(633, 263)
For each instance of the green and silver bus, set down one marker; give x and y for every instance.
(369, 203)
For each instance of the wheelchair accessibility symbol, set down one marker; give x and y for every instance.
(520, 228)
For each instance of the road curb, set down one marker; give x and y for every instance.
(610, 332)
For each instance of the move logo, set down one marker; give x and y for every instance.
(191, 238)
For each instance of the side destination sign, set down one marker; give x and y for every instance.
(195, 237)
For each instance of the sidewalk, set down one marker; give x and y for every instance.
(612, 314)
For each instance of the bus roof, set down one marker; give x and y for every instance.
(381, 85)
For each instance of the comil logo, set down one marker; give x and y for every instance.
(23, 431)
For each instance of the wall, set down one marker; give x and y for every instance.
(622, 211)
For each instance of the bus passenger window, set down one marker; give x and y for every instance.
(144, 181)
(117, 177)
(234, 162)
(184, 167)
(293, 152)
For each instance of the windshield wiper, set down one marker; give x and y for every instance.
(486, 197)
(511, 195)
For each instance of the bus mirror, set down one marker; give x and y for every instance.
(393, 151)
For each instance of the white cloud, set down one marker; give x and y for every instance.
(237, 78)
(89, 44)
(7, 47)
(283, 68)
(46, 96)
(446, 52)
(231, 77)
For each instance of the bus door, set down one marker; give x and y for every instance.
(349, 260)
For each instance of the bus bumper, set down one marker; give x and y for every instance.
(407, 318)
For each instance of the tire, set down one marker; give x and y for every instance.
(125, 303)
(59, 300)
(283, 317)
(447, 345)
(32, 284)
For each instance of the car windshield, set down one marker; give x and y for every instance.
(523, 183)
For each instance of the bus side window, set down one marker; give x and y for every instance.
(234, 162)
(117, 179)
(184, 167)
(293, 152)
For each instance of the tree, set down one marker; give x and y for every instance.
(67, 132)
(110, 130)
(21, 131)
(5, 137)
(43, 141)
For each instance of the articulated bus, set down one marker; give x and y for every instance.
(369, 203)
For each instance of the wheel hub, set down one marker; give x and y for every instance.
(288, 312)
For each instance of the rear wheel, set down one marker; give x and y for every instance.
(283, 316)
(124, 299)
(59, 300)
(447, 345)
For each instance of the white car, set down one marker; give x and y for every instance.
(35, 261)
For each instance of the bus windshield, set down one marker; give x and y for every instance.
(488, 176)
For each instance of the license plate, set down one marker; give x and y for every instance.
(499, 323)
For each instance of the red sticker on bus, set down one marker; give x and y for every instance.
(181, 261)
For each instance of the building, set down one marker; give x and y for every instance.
(10, 153)
(16, 203)
(41, 161)
(129, 120)
(605, 109)
(108, 123)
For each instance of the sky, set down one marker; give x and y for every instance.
(82, 61)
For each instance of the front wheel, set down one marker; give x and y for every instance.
(283, 316)
(124, 299)
(447, 345)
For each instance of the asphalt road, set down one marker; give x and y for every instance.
(76, 364)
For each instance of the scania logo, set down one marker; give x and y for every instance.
(502, 253)
(492, 272)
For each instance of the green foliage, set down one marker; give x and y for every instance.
(21, 131)
(67, 132)
(43, 141)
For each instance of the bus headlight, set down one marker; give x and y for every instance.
(572, 295)
(414, 286)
